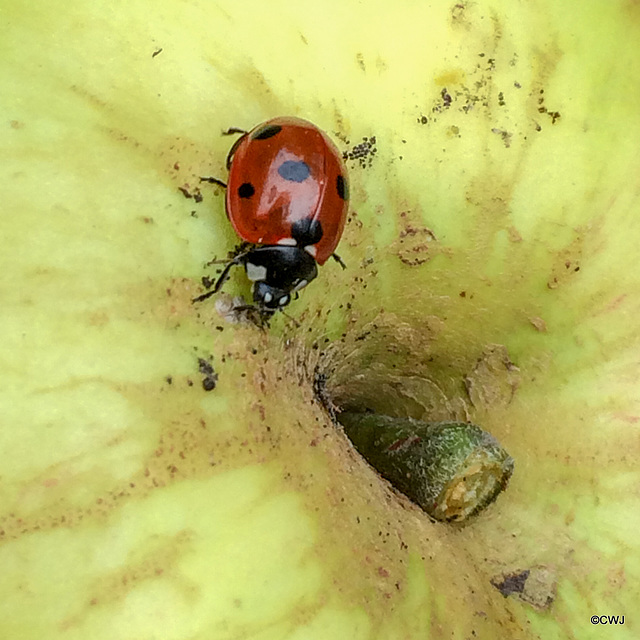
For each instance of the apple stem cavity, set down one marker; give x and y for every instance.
(452, 470)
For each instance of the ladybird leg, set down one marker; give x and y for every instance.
(235, 145)
(202, 297)
(231, 130)
(219, 281)
(212, 180)
(239, 251)
(338, 259)
(228, 132)
(225, 272)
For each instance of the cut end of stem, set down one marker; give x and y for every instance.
(478, 482)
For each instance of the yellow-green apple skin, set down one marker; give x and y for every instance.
(492, 276)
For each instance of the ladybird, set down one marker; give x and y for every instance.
(287, 198)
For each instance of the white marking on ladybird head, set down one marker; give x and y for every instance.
(301, 285)
(287, 242)
(283, 301)
(311, 249)
(267, 298)
(256, 273)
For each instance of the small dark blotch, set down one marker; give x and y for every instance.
(210, 377)
(246, 190)
(511, 583)
(209, 383)
(266, 131)
(342, 187)
(204, 366)
(306, 232)
(294, 170)
(207, 282)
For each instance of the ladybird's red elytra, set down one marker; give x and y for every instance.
(287, 195)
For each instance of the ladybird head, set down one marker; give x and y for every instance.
(278, 271)
(270, 297)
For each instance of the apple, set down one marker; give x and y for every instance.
(169, 474)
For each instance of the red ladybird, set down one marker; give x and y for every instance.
(287, 196)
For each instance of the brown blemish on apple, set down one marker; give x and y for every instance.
(615, 304)
(514, 234)
(416, 243)
(538, 324)
(629, 419)
(510, 583)
(567, 263)
(616, 577)
(493, 380)
(458, 17)
(506, 136)
(536, 586)
(165, 555)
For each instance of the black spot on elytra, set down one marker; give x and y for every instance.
(306, 232)
(342, 188)
(294, 170)
(246, 190)
(266, 131)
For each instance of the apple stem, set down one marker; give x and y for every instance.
(453, 470)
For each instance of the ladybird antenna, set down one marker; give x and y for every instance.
(290, 317)
(261, 315)
(338, 259)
